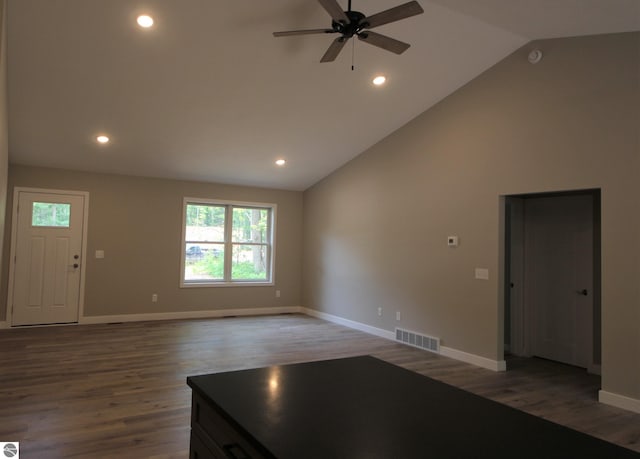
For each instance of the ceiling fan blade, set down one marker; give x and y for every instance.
(334, 10)
(384, 42)
(302, 32)
(334, 49)
(403, 11)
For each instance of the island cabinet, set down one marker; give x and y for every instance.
(214, 437)
(363, 407)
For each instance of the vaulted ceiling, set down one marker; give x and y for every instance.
(209, 94)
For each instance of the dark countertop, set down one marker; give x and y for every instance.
(363, 407)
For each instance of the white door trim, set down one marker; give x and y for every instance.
(14, 232)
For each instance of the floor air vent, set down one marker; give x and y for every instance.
(418, 340)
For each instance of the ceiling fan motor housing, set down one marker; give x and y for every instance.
(353, 27)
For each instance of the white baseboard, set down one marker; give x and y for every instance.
(207, 314)
(350, 323)
(495, 365)
(619, 401)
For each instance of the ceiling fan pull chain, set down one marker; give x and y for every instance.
(353, 54)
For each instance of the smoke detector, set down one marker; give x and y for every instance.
(535, 56)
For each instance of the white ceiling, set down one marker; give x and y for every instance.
(208, 94)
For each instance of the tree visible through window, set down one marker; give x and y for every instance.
(226, 243)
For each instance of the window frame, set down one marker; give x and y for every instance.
(227, 281)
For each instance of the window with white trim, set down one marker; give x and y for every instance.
(227, 243)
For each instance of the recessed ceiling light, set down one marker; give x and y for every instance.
(145, 21)
(379, 80)
(102, 139)
(281, 162)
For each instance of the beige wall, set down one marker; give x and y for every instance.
(375, 230)
(138, 223)
(4, 128)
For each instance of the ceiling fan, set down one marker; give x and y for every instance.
(349, 23)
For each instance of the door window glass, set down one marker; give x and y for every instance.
(50, 214)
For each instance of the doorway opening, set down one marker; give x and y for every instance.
(552, 276)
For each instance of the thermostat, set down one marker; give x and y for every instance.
(452, 241)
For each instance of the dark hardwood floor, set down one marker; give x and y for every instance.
(119, 390)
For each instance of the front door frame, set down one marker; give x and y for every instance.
(14, 233)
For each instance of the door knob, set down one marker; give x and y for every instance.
(583, 292)
(75, 265)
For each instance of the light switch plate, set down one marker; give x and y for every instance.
(99, 253)
(482, 273)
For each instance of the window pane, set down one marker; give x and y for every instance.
(50, 214)
(250, 225)
(203, 262)
(249, 262)
(205, 223)
(220, 251)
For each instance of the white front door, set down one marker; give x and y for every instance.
(559, 277)
(47, 258)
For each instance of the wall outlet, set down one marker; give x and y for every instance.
(277, 293)
(397, 315)
(380, 312)
(154, 298)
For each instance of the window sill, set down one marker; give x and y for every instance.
(226, 284)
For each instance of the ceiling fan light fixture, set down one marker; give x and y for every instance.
(145, 21)
(379, 80)
(281, 162)
(103, 139)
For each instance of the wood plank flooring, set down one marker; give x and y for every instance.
(118, 390)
